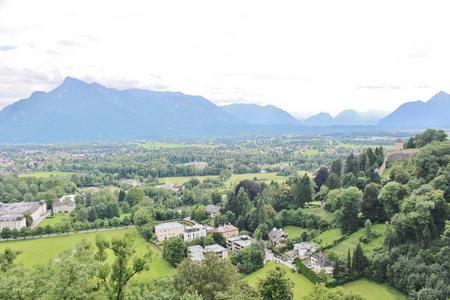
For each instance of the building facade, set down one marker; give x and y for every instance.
(237, 243)
(194, 232)
(13, 215)
(227, 231)
(65, 204)
(169, 230)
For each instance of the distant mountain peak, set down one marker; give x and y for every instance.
(440, 97)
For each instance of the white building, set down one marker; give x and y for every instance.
(194, 232)
(168, 230)
(65, 204)
(12, 215)
(304, 249)
(197, 252)
(12, 221)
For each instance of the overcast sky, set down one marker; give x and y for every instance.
(303, 56)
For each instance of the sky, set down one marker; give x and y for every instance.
(302, 56)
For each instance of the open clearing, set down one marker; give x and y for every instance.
(40, 251)
(54, 219)
(45, 174)
(233, 180)
(302, 286)
(294, 231)
(320, 212)
(328, 237)
(341, 249)
(373, 290)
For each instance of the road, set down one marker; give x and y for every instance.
(271, 257)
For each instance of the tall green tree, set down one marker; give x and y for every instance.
(276, 285)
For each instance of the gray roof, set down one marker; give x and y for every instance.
(276, 234)
(19, 207)
(214, 248)
(169, 225)
(322, 260)
(304, 245)
(212, 209)
(11, 217)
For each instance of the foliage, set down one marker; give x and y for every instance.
(276, 285)
(174, 251)
(249, 259)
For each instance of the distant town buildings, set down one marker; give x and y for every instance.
(237, 243)
(13, 215)
(227, 231)
(168, 230)
(65, 204)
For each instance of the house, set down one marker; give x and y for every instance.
(277, 236)
(65, 204)
(197, 252)
(13, 215)
(304, 249)
(218, 250)
(194, 232)
(168, 230)
(212, 210)
(319, 262)
(227, 231)
(237, 243)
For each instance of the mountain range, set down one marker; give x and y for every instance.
(77, 110)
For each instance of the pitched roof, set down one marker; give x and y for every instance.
(276, 234)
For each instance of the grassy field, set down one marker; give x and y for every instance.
(45, 174)
(54, 219)
(311, 152)
(234, 179)
(40, 251)
(302, 286)
(373, 290)
(322, 213)
(328, 237)
(353, 240)
(294, 231)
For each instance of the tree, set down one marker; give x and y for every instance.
(351, 164)
(390, 196)
(6, 233)
(276, 285)
(333, 181)
(249, 259)
(199, 213)
(209, 277)
(253, 188)
(360, 262)
(122, 271)
(321, 292)
(134, 196)
(321, 177)
(347, 214)
(122, 195)
(336, 167)
(426, 137)
(7, 259)
(102, 244)
(174, 251)
(142, 216)
(371, 206)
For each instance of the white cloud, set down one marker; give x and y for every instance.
(303, 56)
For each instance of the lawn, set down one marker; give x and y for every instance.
(328, 237)
(320, 212)
(373, 290)
(353, 240)
(294, 231)
(233, 180)
(54, 219)
(45, 174)
(40, 251)
(302, 286)
(311, 152)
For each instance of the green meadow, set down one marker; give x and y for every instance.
(45, 174)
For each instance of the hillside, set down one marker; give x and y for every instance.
(418, 114)
(77, 110)
(260, 115)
